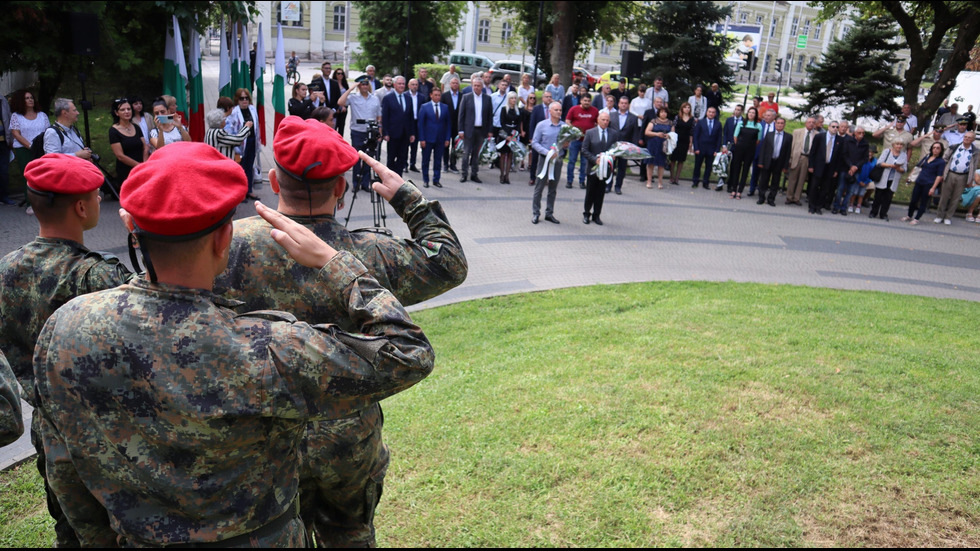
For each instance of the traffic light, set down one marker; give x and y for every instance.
(755, 62)
(779, 66)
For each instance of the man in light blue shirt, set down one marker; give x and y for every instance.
(546, 136)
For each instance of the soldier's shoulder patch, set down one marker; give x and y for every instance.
(382, 231)
(270, 315)
(431, 248)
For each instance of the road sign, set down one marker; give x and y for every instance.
(801, 41)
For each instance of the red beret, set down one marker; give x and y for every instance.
(301, 144)
(185, 188)
(64, 174)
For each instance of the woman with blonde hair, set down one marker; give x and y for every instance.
(510, 123)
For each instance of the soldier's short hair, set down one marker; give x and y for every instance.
(295, 193)
(51, 210)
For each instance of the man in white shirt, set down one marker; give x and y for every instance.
(416, 101)
(658, 91)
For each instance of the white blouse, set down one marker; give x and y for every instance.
(29, 129)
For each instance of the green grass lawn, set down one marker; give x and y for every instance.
(679, 413)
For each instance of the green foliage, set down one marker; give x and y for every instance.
(384, 25)
(36, 36)
(436, 70)
(683, 48)
(856, 72)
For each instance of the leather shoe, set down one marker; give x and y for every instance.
(596, 220)
(252, 196)
(437, 184)
(425, 184)
(534, 219)
(413, 169)
(569, 186)
(476, 180)
(581, 186)
(585, 219)
(462, 179)
(771, 203)
(694, 185)
(705, 186)
(608, 190)
(619, 191)
(552, 219)
(760, 201)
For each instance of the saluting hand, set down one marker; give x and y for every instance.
(301, 243)
(390, 181)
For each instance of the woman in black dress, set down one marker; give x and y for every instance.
(340, 114)
(746, 138)
(300, 104)
(510, 122)
(684, 128)
(532, 100)
(126, 140)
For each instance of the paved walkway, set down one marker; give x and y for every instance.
(677, 233)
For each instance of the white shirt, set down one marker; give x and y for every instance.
(477, 109)
(639, 106)
(653, 94)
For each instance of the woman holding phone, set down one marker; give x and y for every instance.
(169, 128)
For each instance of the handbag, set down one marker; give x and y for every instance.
(876, 173)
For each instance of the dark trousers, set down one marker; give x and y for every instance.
(397, 151)
(432, 149)
(595, 192)
(769, 183)
(883, 201)
(5, 170)
(413, 149)
(533, 167)
(706, 159)
(471, 150)
(620, 173)
(341, 120)
(820, 189)
(248, 159)
(920, 198)
(756, 173)
(539, 185)
(362, 174)
(739, 171)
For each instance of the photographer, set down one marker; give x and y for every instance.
(364, 108)
(62, 136)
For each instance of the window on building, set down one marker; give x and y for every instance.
(765, 68)
(806, 27)
(604, 48)
(799, 64)
(339, 18)
(795, 27)
(772, 28)
(743, 18)
(816, 31)
(758, 20)
(506, 32)
(813, 61)
(622, 47)
(788, 66)
(483, 31)
(290, 13)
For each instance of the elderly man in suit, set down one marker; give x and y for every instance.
(398, 125)
(475, 125)
(451, 99)
(824, 160)
(799, 160)
(597, 141)
(773, 161)
(433, 135)
(707, 143)
(627, 127)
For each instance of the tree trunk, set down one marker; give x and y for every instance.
(563, 42)
(966, 38)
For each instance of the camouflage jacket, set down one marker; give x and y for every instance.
(36, 280)
(182, 419)
(262, 275)
(11, 418)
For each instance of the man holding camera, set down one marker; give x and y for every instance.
(364, 108)
(62, 136)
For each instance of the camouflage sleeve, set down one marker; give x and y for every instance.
(102, 272)
(432, 262)
(86, 514)
(11, 418)
(333, 373)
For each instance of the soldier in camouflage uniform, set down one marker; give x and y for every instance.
(175, 420)
(11, 418)
(344, 460)
(48, 272)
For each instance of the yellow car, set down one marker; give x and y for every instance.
(612, 78)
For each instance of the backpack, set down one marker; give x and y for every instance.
(37, 146)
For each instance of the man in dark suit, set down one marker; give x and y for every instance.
(397, 125)
(715, 98)
(627, 128)
(538, 114)
(451, 99)
(570, 100)
(824, 157)
(597, 140)
(773, 162)
(707, 143)
(730, 124)
(475, 125)
(433, 135)
(415, 100)
(425, 87)
(328, 87)
(768, 126)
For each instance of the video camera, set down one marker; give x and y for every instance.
(373, 136)
(372, 146)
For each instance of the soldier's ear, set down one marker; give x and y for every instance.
(221, 240)
(273, 181)
(340, 188)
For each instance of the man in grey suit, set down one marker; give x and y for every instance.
(627, 128)
(475, 125)
(597, 141)
(773, 161)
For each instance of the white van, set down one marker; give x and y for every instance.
(467, 63)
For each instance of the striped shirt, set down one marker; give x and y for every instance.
(224, 142)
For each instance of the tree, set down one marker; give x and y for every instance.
(37, 36)
(856, 72)
(685, 49)
(569, 28)
(925, 25)
(429, 28)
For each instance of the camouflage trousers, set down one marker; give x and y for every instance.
(342, 468)
(64, 534)
(285, 531)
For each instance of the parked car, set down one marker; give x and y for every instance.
(579, 72)
(467, 63)
(513, 68)
(612, 78)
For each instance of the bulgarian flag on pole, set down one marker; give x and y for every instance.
(175, 69)
(260, 83)
(243, 56)
(236, 64)
(197, 89)
(279, 83)
(224, 66)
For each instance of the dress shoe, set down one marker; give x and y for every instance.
(771, 203)
(534, 219)
(819, 211)
(585, 219)
(413, 169)
(760, 201)
(705, 186)
(609, 190)
(552, 219)
(252, 196)
(437, 184)
(884, 217)
(531, 182)
(462, 179)
(506, 180)
(833, 211)
(751, 194)
(619, 191)
(568, 185)
(843, 213)
(581, 185)
(425, 184)
(597, 221)
(476, 180)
